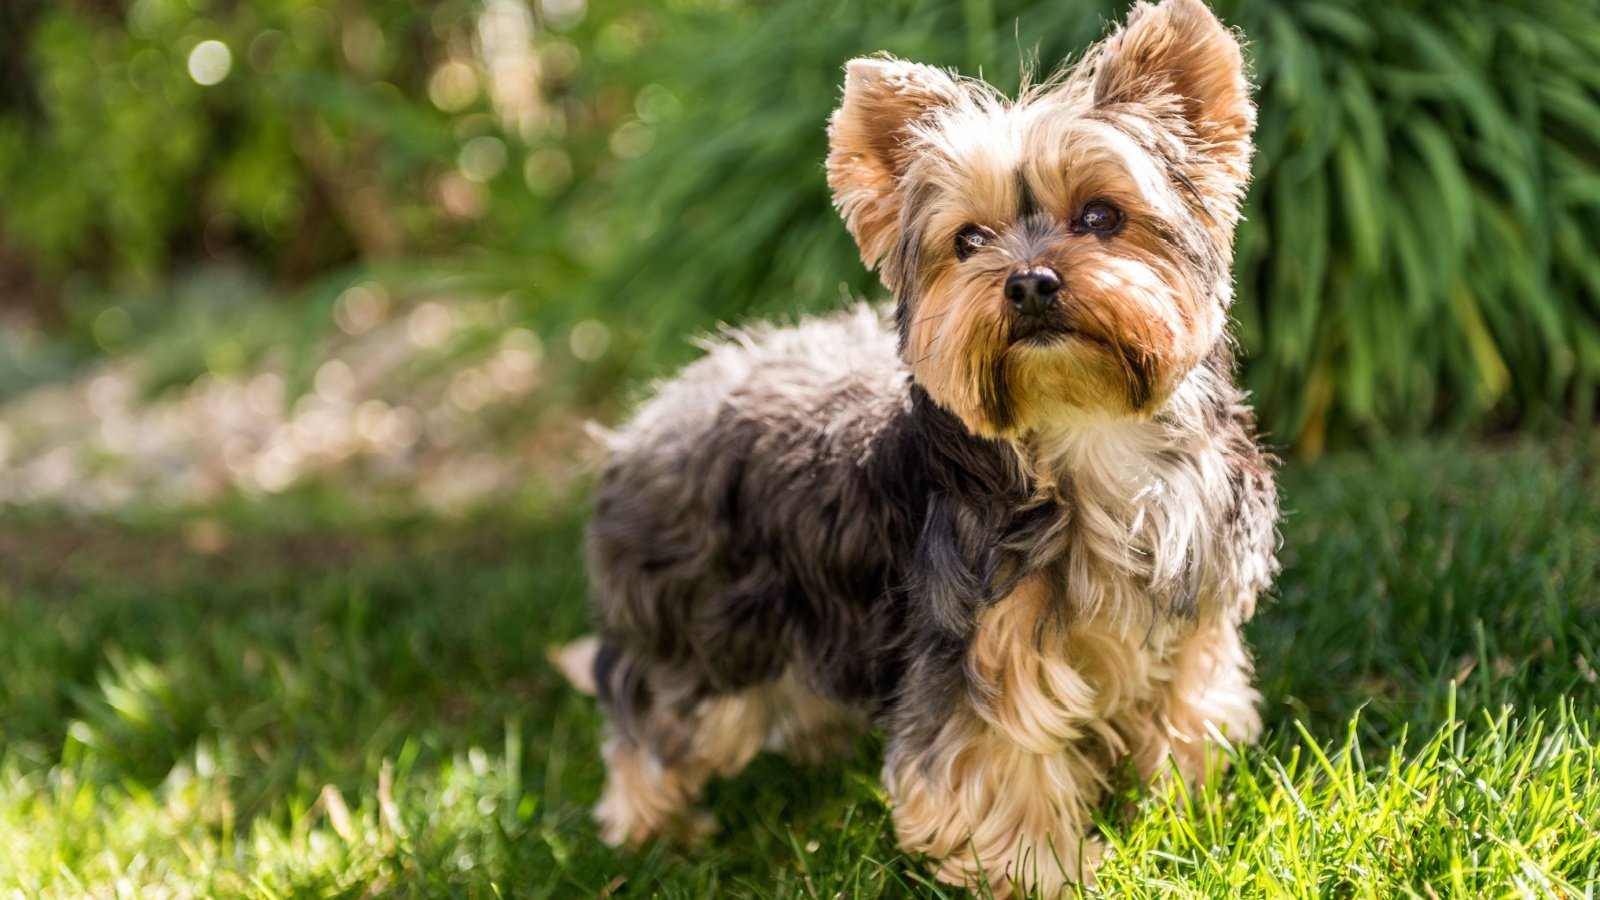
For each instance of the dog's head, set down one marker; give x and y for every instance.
(1069, 249)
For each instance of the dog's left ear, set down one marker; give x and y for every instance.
(1178, 50)
(884, 99)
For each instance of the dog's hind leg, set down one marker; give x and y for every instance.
(660, 753)
(808, 728)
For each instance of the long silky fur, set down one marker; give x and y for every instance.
(1025, 565)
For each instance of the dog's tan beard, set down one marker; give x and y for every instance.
(1134, 332)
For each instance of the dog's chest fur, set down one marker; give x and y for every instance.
(1091, 637)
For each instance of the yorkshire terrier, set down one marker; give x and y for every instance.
(1016, 525)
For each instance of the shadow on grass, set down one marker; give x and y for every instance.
(136, 643)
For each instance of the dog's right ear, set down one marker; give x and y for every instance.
(867, 154)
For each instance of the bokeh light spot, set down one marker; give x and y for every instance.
(453, 86)
(589, 340)
(264, 49)
(482, 158)
(470, 390)
(360, 308)
(335, 381)
(430, 325)
(655, 104)
(560, 60)
(632, 139)
(210, 62)
(460, 196)
(547, 170)
(112, 328)
(562, 15)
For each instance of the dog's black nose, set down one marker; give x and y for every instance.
(1033, 290)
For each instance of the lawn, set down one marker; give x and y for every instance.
(246, 703)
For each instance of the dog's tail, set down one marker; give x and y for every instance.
(576, 661)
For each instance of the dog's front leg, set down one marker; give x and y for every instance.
(1208, 689)
(989, 810)
(1000, 785)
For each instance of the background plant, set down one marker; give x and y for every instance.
(1419, 248)
(141, 138)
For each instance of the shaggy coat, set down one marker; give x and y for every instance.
(1026, 560)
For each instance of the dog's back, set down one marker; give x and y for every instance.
(743, 514)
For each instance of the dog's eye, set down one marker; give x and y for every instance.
(1100, 217)
(970, 239)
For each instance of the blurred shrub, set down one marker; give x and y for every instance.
(1426, 203)
(1420, 246)
(142, 135)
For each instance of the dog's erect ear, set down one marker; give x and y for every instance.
(1179, 50)
(867, 155)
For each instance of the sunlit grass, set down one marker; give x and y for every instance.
(362, 708)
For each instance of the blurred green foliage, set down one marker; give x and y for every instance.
(1419, 250)
(1420, 247)
(299, 136)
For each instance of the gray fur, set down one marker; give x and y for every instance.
(792, 500)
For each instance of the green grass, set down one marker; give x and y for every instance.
(353, 710)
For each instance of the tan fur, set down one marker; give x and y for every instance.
(807, 728)
(1028, 692)
(1167, 90)
(642, 799)
(1127, 298)
(645, 796)
(867, 137)
(575, 661)
(957, 341)
(988, 809)
(1206, 692)
(1142, 493)
(1056, 706)
(1180, 49)
(1067, 684)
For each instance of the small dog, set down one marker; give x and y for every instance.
(1017, 527)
